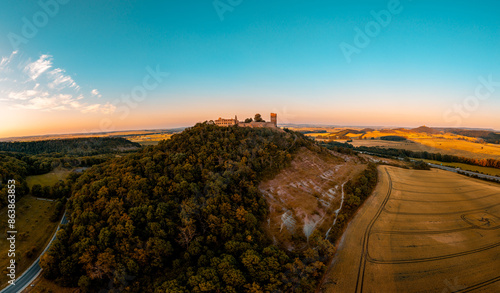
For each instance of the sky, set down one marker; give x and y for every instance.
(69, 66)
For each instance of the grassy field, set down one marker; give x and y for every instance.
(150, 139)
(34, 231)
(48, 179)
(436, 145)
(458, 147)
(444, 143)
(421, 231)
(125, 134)
(479, 169)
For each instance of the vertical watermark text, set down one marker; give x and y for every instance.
(11, 231)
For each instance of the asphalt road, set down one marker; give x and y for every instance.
(34, 270)
(466, 172)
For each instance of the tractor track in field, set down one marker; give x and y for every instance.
(366, 258)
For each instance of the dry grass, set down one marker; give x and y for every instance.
(150, 139)
(308, 192)
(462, 148)
(421, 231)
(125, 134)
(33, 230)
(452, 147)
(48, 179)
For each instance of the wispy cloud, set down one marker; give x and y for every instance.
(35, 69)
(38, 85)
(26, 95)
(96, 93)
(6, 60)
(61, 80)
(105, 109)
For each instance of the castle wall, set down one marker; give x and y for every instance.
(257, 124)
(231, 122)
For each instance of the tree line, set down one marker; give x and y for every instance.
(74, 146)
(356, 192)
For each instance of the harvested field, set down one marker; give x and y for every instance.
(462, 148)
(421, 231)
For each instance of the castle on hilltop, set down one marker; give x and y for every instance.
(254, 124)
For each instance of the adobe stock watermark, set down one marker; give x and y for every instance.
(372, 29)
(223, 6)
(40, 19)
(138, 93)
(484, 90)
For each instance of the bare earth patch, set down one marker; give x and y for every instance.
(305, 196)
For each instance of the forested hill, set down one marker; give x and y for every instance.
(76, 146)
(183, 216)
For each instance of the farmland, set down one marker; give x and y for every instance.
(433, 140)
(421, 231)
(467, 167)
(459, 147)
(149, 139)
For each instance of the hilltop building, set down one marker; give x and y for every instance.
(254, 124)
(226, 122)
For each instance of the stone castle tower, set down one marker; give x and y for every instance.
(274, 119)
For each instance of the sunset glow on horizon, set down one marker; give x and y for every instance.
(163, 64)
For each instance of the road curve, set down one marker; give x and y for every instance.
(480, 175)
(34, 270)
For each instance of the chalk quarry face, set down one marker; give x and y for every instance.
(307, 196)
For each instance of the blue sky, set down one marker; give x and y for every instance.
(281, 56)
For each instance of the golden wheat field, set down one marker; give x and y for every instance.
(421, 231)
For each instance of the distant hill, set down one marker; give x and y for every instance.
(425, 129)
(486, 135)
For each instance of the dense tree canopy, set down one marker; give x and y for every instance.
(12, 169)
(74, 146)
(183, 216)
(258, 118)
(21, 159)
